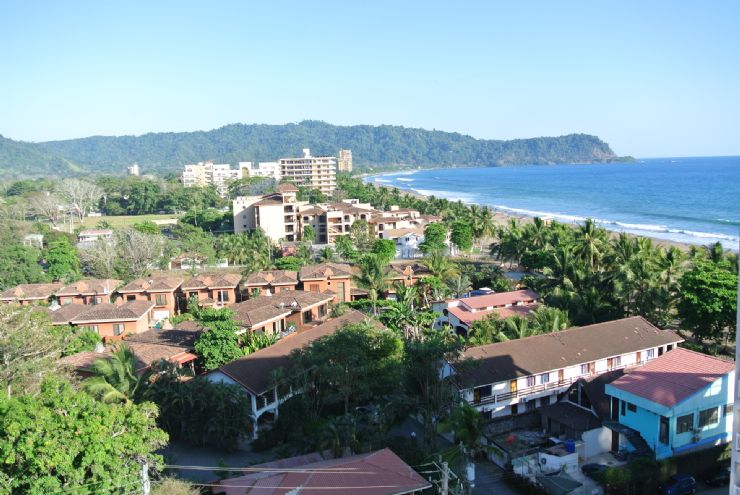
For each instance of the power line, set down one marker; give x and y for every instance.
(339, 470)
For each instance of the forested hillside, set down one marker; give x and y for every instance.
(370, 145)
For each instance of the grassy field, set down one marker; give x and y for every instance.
(122, 221)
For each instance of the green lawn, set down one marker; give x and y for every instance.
(121, 221)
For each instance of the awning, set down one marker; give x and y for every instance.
(183, 358)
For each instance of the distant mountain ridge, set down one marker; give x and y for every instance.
(371, 146)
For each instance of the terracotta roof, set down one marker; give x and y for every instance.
(30, 291)
(286, 187)
(254, 371)
(325, 270)
(468, 317)
(268, 202)
(128, 311)
(263, 308)
(159, 284)
(273, 277)
(189, 325)
(532, 355)
(213, 281)
(91, 286)
(64, 314)
(395, 233)
(174, 337)
(674, 376)
(146, 354)
(402, 269)
(377, 473)
(499, 299)
(312, 211)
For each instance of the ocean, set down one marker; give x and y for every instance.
(690, 200)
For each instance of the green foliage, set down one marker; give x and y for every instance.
(116, 378)
(372, 145)
(385, 249)
(467, 424)
(19, 265)
(200, 412)
(355, 365)
(346, 249)
(29, 348)
(361, 235)
(65, 441)
(373, 277)
(173, 486)
(461, 235)
(147, 227)
(63, 261)
(219, 344)
(309, 234)
(81, 340)
(289, 263)
(708, 302)
(435, 235)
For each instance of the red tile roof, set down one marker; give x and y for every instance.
(377, 473)
(469, 317)
(499, 299)
(30, 291)
(128, 311)
(674, 376)
(90, 286)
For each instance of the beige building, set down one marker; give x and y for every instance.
(276, 214)
(316, 172)
(344, 164)
(332, 220)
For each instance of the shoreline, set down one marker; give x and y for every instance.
(501, 218)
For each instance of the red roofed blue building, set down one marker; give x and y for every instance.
(680, 402)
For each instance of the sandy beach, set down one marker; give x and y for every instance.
(503, 218)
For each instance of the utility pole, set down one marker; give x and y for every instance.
(445, 479)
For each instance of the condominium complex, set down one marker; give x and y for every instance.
(276, 214)
(316, 172)
(261, 169)
(344, 164)
(204, 174)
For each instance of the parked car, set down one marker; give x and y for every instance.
(594, 470)
(678, 484)
(718, 477)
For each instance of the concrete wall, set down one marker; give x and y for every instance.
(596, 442)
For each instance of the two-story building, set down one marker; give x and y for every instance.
(215, 290)
(254, 373)
(282, 313)
(268, 282)
(164, 292)
(407, 273)
(460, 314)
(25, 294)
(508, 378)
(334, 278)
(90, 291)
(680, 402)
(110, 321)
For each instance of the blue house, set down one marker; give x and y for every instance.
(680, 402)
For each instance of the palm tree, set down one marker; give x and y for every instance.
(116, 378)
(373, 277)
(549, 320)
(516, 327)
(591, 240)
(440, 265)
(327, 255)
(459, 285)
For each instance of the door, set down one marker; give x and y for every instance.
(476, 395)
(592, 368)
(561, 376)
(513, 387)
(615, 409)
(638, 357)
(609, 363)
(615, 441)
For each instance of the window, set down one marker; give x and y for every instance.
(728, 409)
(481, 392)
(97, 300)
(161, 299)
(322, 310)
(313, 287)
(631, 407)
(650, 353)
(614, 362)
(340, 291)
(131, 297)
(118, 328)
(530, 405)
(223, 296)
(624, 407)
(544, 377)
(584, 369)
(685, 423)
(530, 381)
(307, 317)
(708, 417)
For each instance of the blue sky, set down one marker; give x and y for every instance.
(650, 78)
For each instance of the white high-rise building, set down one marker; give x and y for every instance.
(316, 172)
(133, 169)
(204, 174)
(261, 169)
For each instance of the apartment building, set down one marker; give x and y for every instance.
(344, 163)
(276, 214)
(316, 172)
(331, 220)
(261, 169)
(164, 292)
(521, 375)
(91, 291)
(204, 174)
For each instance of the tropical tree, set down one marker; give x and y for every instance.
(373, 277)
(63, 261)
(708, 301)
(118, 378)
(459, 285)
(440, 265)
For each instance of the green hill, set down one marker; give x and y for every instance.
(370, 145)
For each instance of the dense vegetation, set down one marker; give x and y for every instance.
(371, 146)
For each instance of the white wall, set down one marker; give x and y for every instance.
(596, 442)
